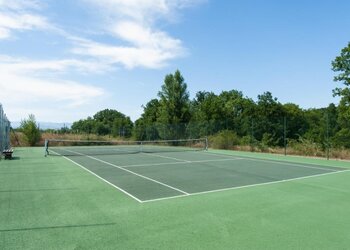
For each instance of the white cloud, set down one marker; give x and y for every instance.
(38, 86)
(17, 15)
(24, 66)
(143, 10)
(52, 100)
(30, 90)
(134, 22)
(19, 5)
(142, 36)
(150, 49)
(130, 22)
(22, 21)
(22, 87)
(4, 33)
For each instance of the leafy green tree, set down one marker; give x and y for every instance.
(228, 111)
(101, 129)
(329, 125)
(296, 123)
(83, 126)
(342, 138)
(31, 130)
(145, 126)
(322, 126)
(151, 111)
(268, 119)
(174, 107)
(105, 122)
(341, 64)
(207, 114)
(237, 111)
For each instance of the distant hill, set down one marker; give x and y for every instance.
(46, 125)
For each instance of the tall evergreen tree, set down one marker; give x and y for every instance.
(174, 107)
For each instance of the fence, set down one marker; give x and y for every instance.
(287, 134)
(4, 131)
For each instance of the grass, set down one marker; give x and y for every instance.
(50, 203)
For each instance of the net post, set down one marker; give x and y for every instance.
(46, 145)
(206, 143)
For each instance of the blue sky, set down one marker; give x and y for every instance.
(65, 60)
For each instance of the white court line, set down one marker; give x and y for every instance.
(131, 172)
(166, 157)
(120, 189)
(323, 167)
(292, 164)
(326, 168)
(246, 186)
(179, 163)
(50, 150)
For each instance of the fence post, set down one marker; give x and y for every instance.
(327, 135)
(285, 134)
(252, 136)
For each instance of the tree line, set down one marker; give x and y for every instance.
(231, 116)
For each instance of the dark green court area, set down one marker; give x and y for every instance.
(232, 200)
(156, 176)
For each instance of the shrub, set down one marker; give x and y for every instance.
(31, 130)
(225, 139)
(306, 147)
(342, 138)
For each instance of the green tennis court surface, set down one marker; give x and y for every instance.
(188, 200)
(156, 176)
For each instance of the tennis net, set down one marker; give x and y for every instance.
(88, 147)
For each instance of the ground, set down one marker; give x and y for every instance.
(52, 203)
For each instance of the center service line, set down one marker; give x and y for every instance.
(131, 172)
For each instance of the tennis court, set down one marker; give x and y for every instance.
(268, 201)
(157, 173)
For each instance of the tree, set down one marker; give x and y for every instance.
(145, 127)
(268, 119)
(104, 122)
(31, 130)
(83, 126)
(315, 125)
(207, 114)
(237, 111)
(296, 122)
(174, 105)
(229, 110)
(342, 64)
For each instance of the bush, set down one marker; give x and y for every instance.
(306, 147)
(225, 139)
(342, 138)
(31, 130)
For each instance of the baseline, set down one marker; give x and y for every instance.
(319, 167)
(292, 164)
